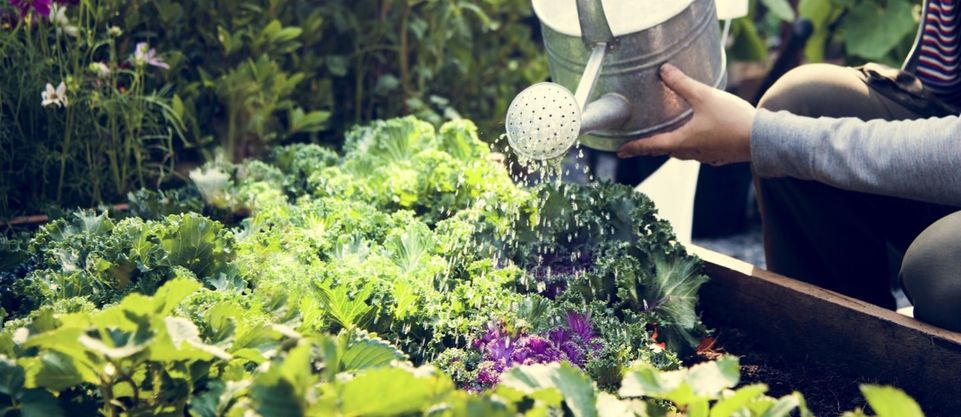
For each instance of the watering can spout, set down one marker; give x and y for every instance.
(609, 112)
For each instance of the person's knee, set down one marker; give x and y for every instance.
(808, 90)
(931, 274)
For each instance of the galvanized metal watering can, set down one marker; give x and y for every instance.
(609, 53)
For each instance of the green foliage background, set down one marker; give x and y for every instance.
(849, 32)
(250, 73)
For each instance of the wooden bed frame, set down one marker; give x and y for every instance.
(806, 322)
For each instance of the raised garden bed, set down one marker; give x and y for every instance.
(312, 280)
(813, 329)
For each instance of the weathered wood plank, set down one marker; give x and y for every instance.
(809, 323)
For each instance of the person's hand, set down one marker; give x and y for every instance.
(718, 133)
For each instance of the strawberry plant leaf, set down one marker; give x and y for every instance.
(890, 402)
(744, 395)
(54, 370)
(575, 387)
(364, 351)
(39, 403)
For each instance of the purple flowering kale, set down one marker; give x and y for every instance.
(41, 6)
(573, 342)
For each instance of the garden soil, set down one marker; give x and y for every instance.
(828, 390)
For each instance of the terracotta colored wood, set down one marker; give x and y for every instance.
(809, 323)
(43, 218)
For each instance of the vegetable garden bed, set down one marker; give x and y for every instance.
(806, 324)
(409, 276)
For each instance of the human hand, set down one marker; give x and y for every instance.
(719, 132)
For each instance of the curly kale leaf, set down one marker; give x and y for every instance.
(299, 162)
(154, 205)
(90, 255)
(198, 244)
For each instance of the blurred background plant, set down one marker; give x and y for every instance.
(862, 30)
(849, 32)
(254, 72)
(82, 116)
(244, 75)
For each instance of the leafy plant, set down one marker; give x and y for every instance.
(139, 357)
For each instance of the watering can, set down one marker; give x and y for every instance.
(609, 54)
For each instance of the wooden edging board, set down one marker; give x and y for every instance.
(806, 322)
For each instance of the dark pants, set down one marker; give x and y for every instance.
(850, 242)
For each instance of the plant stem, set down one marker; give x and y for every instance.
(63, 155)
(229, 146)
(403, 58)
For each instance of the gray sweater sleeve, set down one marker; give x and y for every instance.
(916, 159)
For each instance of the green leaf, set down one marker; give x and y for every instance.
(405, 299)
(780, 8)
(39, 403)
(369, 352)
(699, 408)
(282, 390)
(575, 386)
(685, 386)
(343, 308)
(673, 293)
(130, 348)
(182, 342)
(819, 12)
(710, 378)
(314, 121)
(12, 377)
(459, 138)
(784, 406)
(177, 105)
(169, 11)
(610, 406)
(392, 391)
(55, 371)
(286, 34)
(647, 381)
(276, 397)
(890, 402)
(297, 366)
(873, 31)
(748, 45)
(198, 244)
(744, 395)
(337, 65)
(171, 294)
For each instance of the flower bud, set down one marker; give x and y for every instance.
(100, 69)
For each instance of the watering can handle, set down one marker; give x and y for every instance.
(594, 26)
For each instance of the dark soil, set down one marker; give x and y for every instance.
(828, 389)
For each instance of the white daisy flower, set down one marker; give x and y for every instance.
(56, 96)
